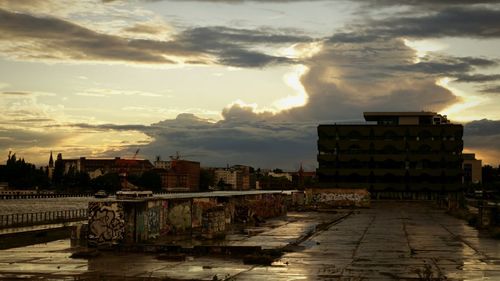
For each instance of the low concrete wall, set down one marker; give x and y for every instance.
(214, 222)
(106, 223)
(117, 222)
(338, 197)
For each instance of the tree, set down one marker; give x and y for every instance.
(58, 174)
(20, 174)
(109, 182)
(207, 179)
(75, 181)
(150, 180)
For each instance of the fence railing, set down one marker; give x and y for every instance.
(31, 219)
(35, 196)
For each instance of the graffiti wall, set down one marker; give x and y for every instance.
(136, 221)
(199, 207)
(336, 197)
(179, 216)
(214, 222)
(258, 207)
(106, 223)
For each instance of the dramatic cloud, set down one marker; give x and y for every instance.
(477, 78)
(453, 22)
(483, 137)
(483, 127)
(365, 66)
(447, 66)
(232, 142)
(47, 38)
(491, 89)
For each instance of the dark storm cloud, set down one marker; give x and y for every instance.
(232, 141)
(236, 140)
(482, 127)
(446, 65)
(105, 127)
(454, 22)
(477, 78)
(345, 79)
(215, 36)
(379, 3)
(244, 58)
(228, 44)
(483, 136)
(52, 38)
(74, 41)
(491, 89)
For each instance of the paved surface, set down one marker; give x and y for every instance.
(390, 241)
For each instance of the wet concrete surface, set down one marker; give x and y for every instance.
(390, 241)
(23, 229)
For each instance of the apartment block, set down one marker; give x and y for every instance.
(393, 155)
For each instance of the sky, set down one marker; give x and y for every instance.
(238, 81)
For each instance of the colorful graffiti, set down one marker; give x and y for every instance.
(106, 223)
(153, 222)
(214, 222)
(179, 216)
(341, 197)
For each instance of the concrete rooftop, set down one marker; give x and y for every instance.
(390, 241)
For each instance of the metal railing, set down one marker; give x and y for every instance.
(5, 196)
(31, 219)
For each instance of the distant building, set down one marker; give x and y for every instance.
(99, 166)
(180, 175)
(236, 177)
(161, 164)
(472, 168)
(50, 168)
(394, 155)
(302, 178)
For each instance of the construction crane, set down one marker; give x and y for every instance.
(135, 154)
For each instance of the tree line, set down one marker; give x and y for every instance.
(20, 174)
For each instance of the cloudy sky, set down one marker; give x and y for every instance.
(238, 81)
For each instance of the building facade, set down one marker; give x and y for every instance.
(472, 169)
(180, 176)
(99, 166)
(393, 155)
(236, 177)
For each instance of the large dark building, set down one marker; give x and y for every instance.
(393, 155)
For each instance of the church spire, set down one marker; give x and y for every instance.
(51, 160)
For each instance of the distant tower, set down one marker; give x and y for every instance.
(51, 166)
(301, 175)
(51, 160)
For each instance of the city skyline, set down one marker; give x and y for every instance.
(240, 82)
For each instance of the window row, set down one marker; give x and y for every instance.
(389, 178)
(391, 164)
